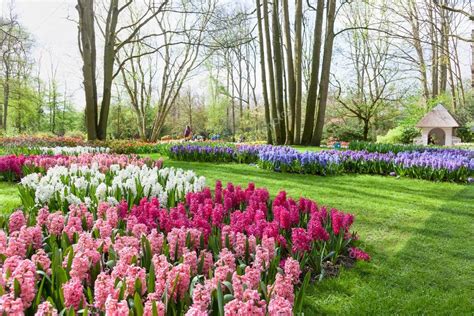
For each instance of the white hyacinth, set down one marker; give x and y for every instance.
(73, 150)
(83, 184)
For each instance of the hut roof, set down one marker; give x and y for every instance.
(438, 117)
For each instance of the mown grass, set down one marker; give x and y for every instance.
(418, 233)
(9, 198)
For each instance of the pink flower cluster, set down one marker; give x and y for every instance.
(226, 243)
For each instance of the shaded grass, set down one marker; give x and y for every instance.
(419, 234)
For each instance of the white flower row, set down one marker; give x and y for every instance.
(76, 184)
(73, 150)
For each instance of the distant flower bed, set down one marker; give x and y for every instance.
(13, 167)
(34, 141)
(431, 164)
(234, 252)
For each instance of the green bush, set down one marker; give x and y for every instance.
(399, 135)
(465, 133)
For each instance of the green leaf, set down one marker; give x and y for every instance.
(301, 292)
(17, 288)
(220, 299)
(151, 279)
(137, 300)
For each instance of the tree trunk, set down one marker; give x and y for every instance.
(434, 50)
(277, 59)
(298, 70)
(325, 72)
(6, 98)
(109, 60)
(290, 75)
(472, 57)
(314, 81)
(444, 58)
(415, 25)
(87, 40)
(366, 129)
(271, 76)
(263, 75)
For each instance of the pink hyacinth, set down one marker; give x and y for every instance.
(46, 309)
(300, 239)
(103, 287)
(3, 242)
(55, 223)
(195, 311)
(293, 269)
(358, 254)
(42, 217)
(178, 278)
(160, 308)
(279, 306)
(40, 258)
(80, 266)
(16, 221)
(133, 274)
(282, 287)
(251, 278)
(208, 261)
(73, 293)
(262, 258)
(16, 246)
(74, 225)
(337, 221)
(156, 241)
(25, 274)
(190, 258)
(201, 297)
(9, 305)
(31, 236)
(115, 308)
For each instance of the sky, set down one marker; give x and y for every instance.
(51, 22)
(55, 34)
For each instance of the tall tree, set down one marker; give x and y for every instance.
(116, 36)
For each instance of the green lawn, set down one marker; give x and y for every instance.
(419, 234)
(9, 198)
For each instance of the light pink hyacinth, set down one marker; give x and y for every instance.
(73, 293)
(16, 221)
(46, 309)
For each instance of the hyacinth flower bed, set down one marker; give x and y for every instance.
(13, 167)
(58, 150)
(61, 186)
(431, 164)
(234, 252)
(36, 141)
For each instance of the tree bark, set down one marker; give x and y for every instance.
(277, 59)
(263, 75)
(290, 75)
(271, 76)
(298, 70)
(325, 72)
(88, 51)
(434, 49)
(415, 25)
(314, 81)
(6, 98)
